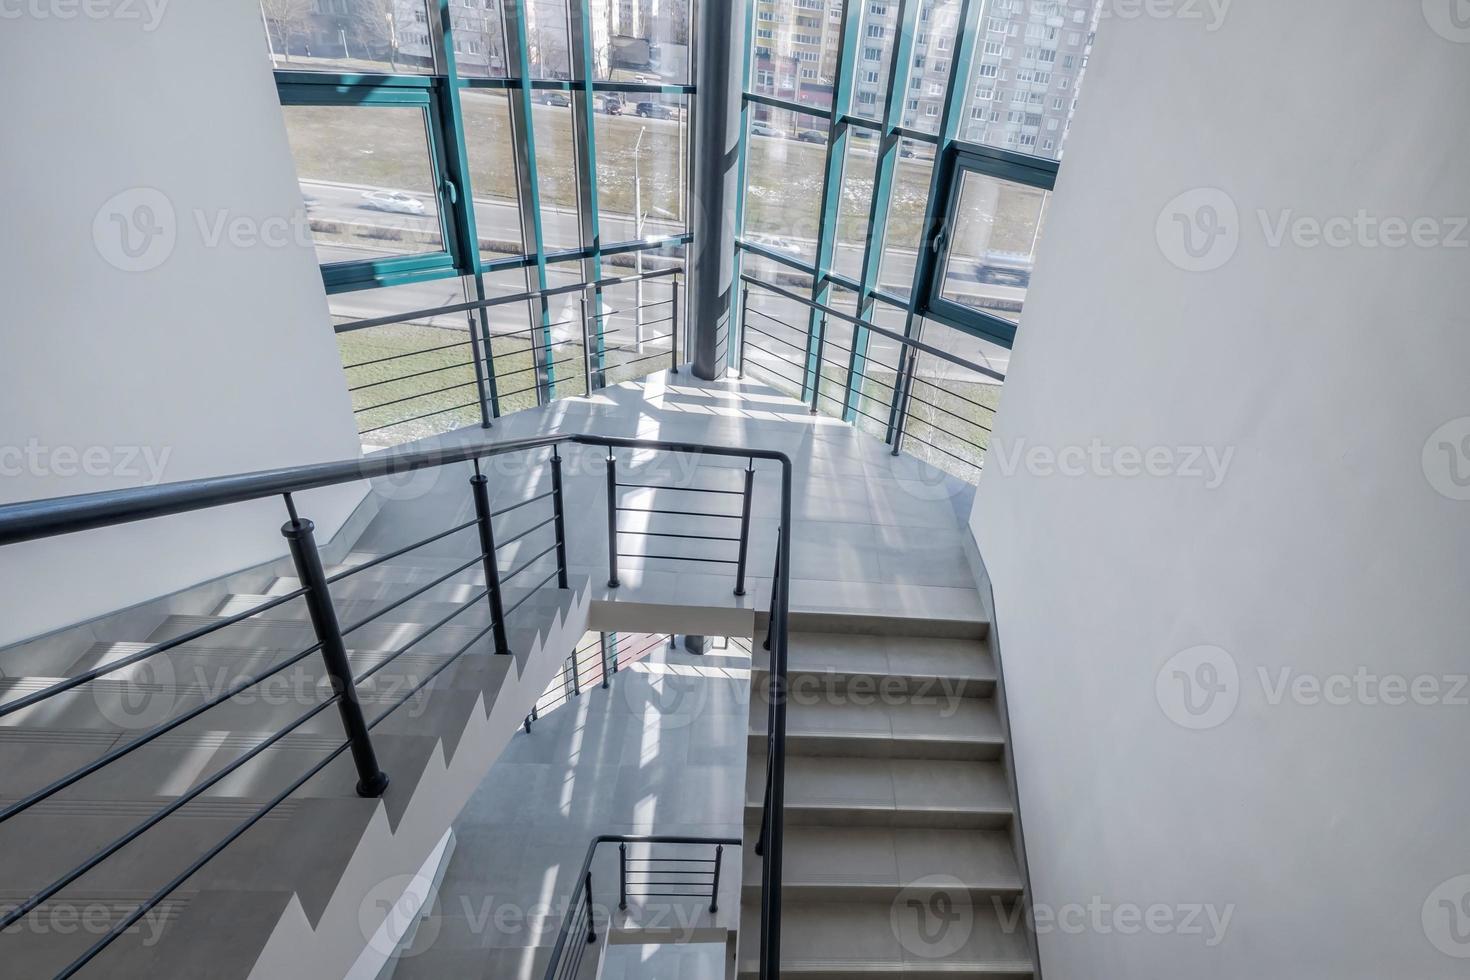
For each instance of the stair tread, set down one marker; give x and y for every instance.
(888, 784)
(814, 713)
(883, 860)
(858, 938)
(894, 656)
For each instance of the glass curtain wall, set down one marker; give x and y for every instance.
(456, 151)
(897, 164)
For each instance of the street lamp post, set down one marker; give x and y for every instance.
(638, 235)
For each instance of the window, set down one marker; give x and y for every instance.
(353, 36)
(997, 213)
(642, 168)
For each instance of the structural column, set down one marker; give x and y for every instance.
(716, 158)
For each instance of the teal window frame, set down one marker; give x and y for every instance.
(957, 160)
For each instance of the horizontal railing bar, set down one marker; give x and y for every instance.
(967, 462)
(634, 360)
(520, 391)
(510, 575)
(411, 596)
(485, 304)
(11, 707)
(943, 355)
(864, 414)
(644, 323)
(708, 561)
(522, 534)
(647, 486)
(417, 639)
(989, 408)
(937, 408)
(407, 377)
(532, 329)
(631, 309)
(399, 357)
(667, 534)
(779, 340)
(681, 513)
(783, 360)
(647, 340)
(534, 589)
(152, 821)
(523, 503)
(946, 432)
(106, 759)
(535, 367)
(415, 418)
(79, 512)
(766, 367)
(409, 398)
(773, 319)
(399, 553)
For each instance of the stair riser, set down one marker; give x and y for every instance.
(881, 747)
(835, 687)
(981, 895)
(858, 816)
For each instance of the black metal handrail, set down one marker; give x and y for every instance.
(581, 914)
(34, 520)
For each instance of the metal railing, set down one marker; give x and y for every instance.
(593, 664)
(946, 412)
(409, 375)
(65, 515)
(676, 876)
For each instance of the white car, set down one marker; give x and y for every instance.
(761, 129)
(776, 243)
(395, 201)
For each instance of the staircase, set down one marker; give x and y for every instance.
(292, 886)
(899, 855)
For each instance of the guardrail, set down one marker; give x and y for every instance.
(403, 371)
(35, 520)
(944, 403)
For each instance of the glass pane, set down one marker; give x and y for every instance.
(906, 216)
(1028, 70)
(992, 245)
(638, 318)
(349, 35)
(640, 41)
(875, 48)
(493, 169)
(795, 53)
(928, 81)
(951, 409)
(548, 38)
(785, 160)
(479, 38)
(367, 180)
(853, 210)
(642, 162)
(556, 171)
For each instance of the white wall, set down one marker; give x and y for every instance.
(217, 358)
(1327, 547)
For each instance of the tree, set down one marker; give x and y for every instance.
(285, 19)
(376, 24)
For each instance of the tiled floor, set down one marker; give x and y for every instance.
(615, 761)
(872, 532)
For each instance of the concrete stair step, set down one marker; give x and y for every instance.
(882, 725)
(915, 937)
(869, 792)
(838, 663)
(897, 626)
(876, 864)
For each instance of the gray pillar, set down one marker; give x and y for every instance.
(719, 61)
(697, 644)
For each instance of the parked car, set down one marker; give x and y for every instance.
(775, 243)
(1004, 269)
(613, 105)
(396, 202)
(655, 110)
(761, 129)
(812, 136)
(558, 98)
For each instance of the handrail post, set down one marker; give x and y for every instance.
(591, 919)
(576, 674)
(623, 875)
(559, 512)
(612, 520)
(901, 410)
(714, 888)
(586, 347)
(602, 642)
(744, 312)
(479, 489)
(674, 368)
(744, 527)
(821, 345)
(371, 780)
